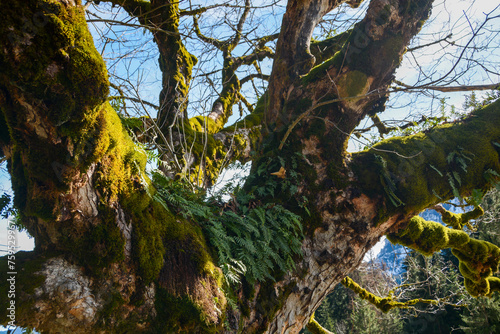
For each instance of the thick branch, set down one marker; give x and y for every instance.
(356, 77)
(221, 45)
(254, 76)
(419, 171)
(293, 55)
(257, 55)
(326, 49)
(136, 8)
(314, 327)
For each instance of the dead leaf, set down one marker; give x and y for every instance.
(281, 173)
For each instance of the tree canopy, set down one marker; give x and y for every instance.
(123, 247)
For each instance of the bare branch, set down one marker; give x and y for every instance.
(430, 44)
(133, 99)
(239, 27)
(463, 88)
(257, 55)
(253, 76)
(215, 42)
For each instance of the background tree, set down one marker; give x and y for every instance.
(481, 315)
(436, 278)
(119, 249)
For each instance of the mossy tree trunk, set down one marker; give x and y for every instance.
(109, 258)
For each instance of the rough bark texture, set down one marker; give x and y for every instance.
(109, 258)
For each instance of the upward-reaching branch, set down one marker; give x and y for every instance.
(356, 76)
(239, 28)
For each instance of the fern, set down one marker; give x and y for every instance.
(451, 181)
(437, 170)
(262, 239)
(233, 270)
(387, 182)
(256, 242)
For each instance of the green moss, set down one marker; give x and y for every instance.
(315, 328)
(429, 237)
(84, 73)
(179, 315)
(89, 132)
(176, 64)
(320, 70)
(210, 154)
(111, 306)
(253, 121)
(354, 83)
(157, 226)
(70, 78)
(327, 48)
(384, 304)
(101, 246)
(150, 227)
(359, 53)
(459, 220)
(204, 124)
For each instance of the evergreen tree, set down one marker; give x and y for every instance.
(335, 312)
(366, 319)
(482, 316)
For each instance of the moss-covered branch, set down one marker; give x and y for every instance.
(136, 8)
(81, 188)
(459, 220)
(213, 148)
(209, 40)
(314, 327)
(478, 259)
(384, 304)
(360, 62)
(258, 55)
(231, 85)
(327, 48)
(419, 171)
